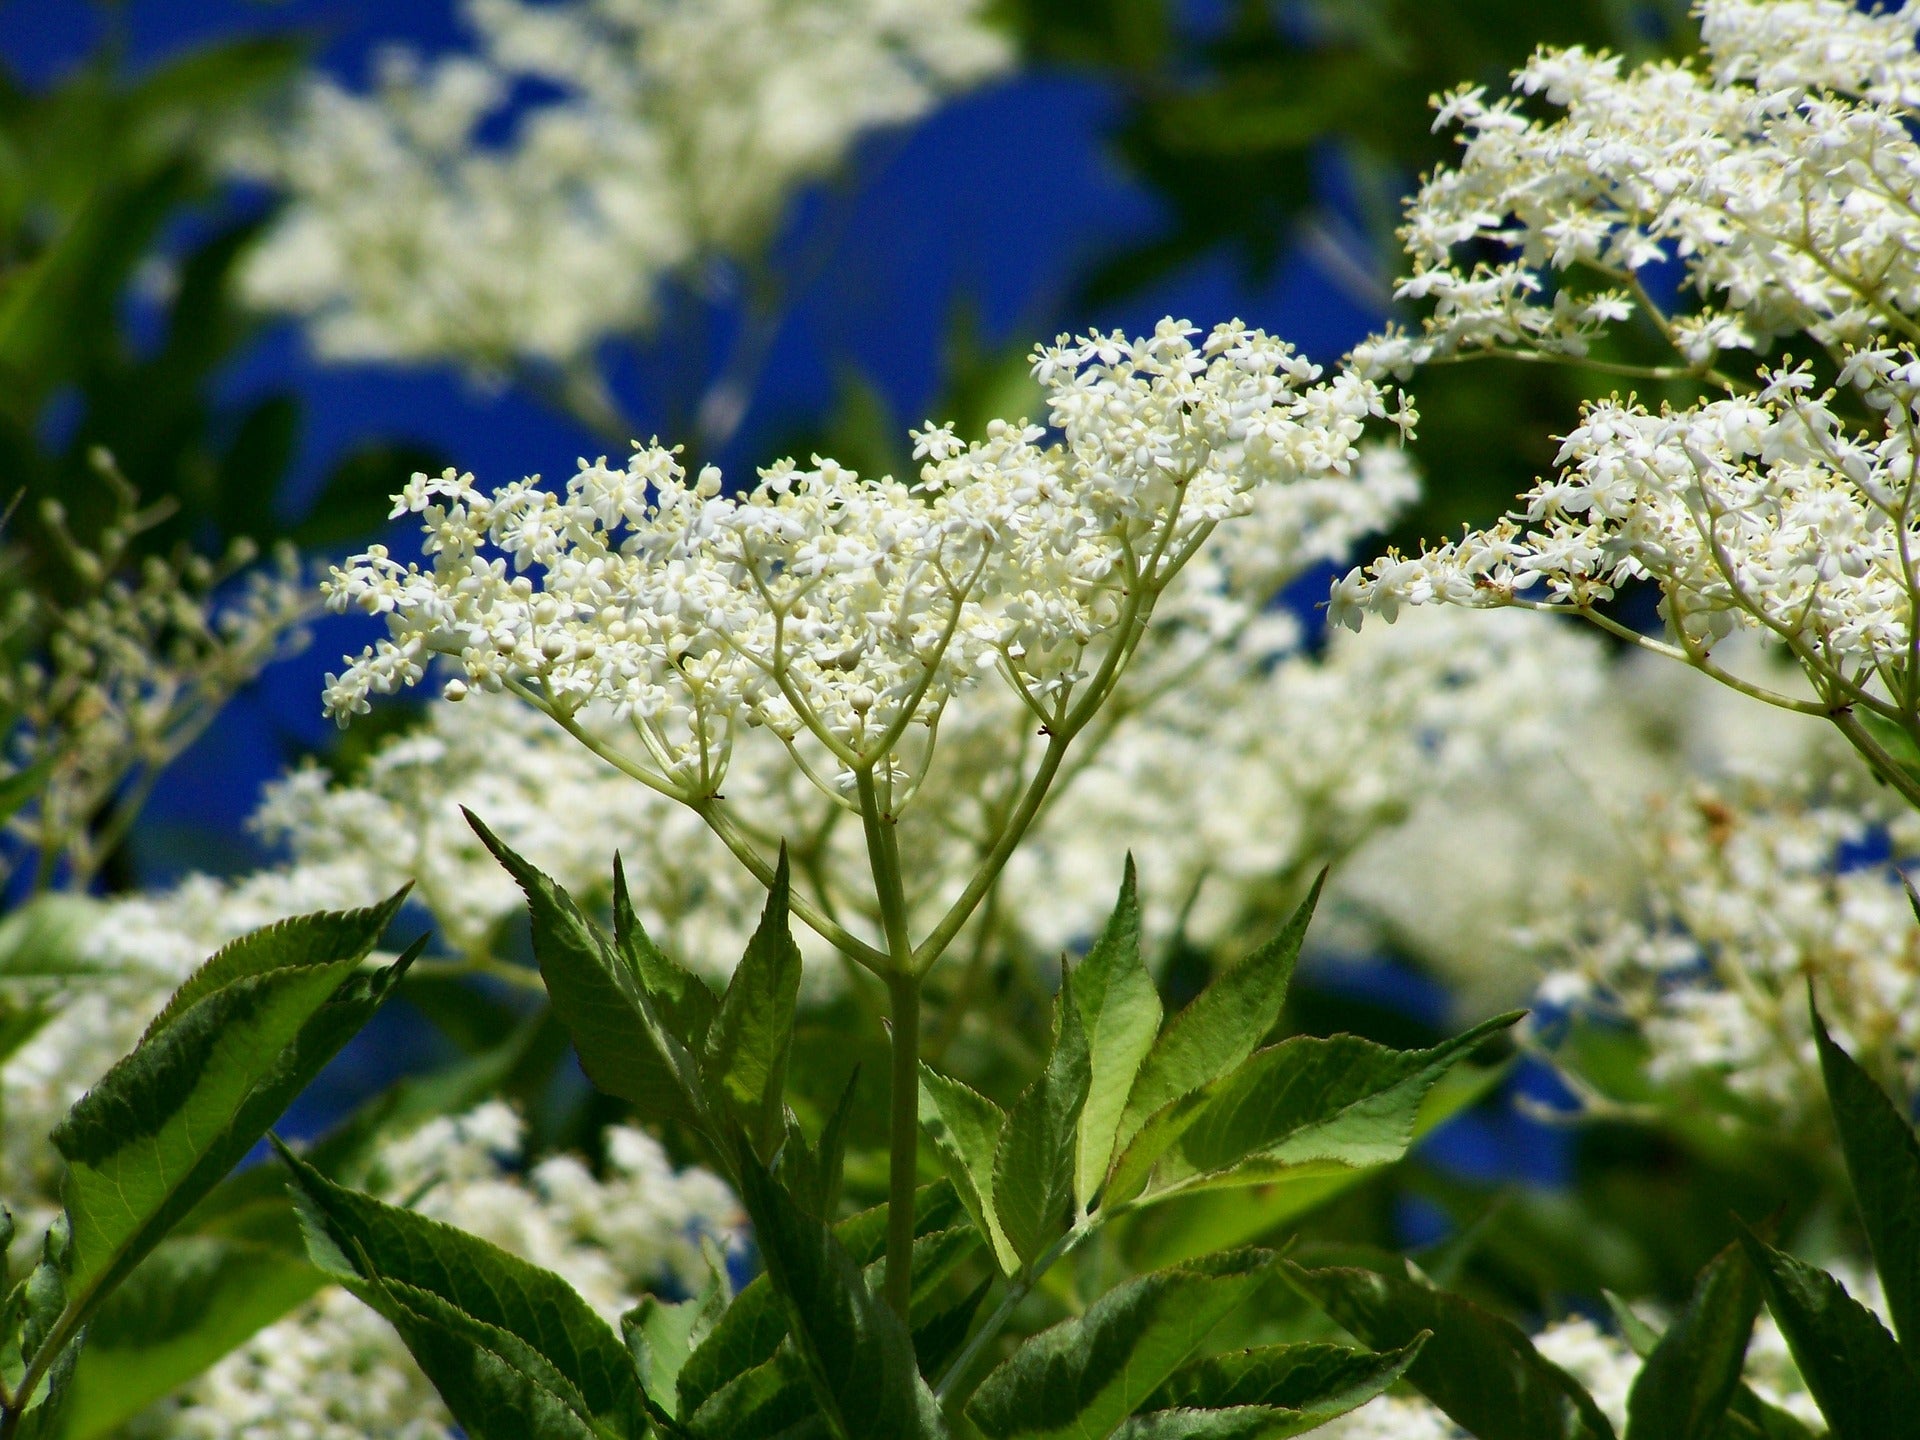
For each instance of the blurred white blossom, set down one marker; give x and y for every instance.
(669, 134)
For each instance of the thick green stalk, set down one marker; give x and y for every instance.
(903, 1127)
(903, 990)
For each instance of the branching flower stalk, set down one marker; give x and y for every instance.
(841, 617)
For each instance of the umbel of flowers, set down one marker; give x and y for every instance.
(1777, 177)
(842, 615)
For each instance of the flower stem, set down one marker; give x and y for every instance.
(903, 990)
(903, 1170)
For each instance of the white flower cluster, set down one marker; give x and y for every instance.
(840, 613)
(1777, 173)
(334, 1370)
(675, 133)
(1748, 892)
(1767, 512)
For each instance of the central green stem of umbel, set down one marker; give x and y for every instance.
(903, 992)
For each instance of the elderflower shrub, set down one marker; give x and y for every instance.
(676, 135)
(1774, 173)
(334, 1370)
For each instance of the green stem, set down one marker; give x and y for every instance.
(1021, 1287)
(903, 1161)
(903, 990)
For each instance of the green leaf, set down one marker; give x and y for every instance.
(1120, 1012)
(1193, 1222)
(23, 785)
(190, 1302)
(166, 1123)
(660, 1335)
(685, 1004)
(467, 1308)
(772, 1401)
(752, 1328)
(857, 1352)
(746, 1051)
(1482, 1370)
(1683, 1390)
(812, 1172)
(965, 1128)
(1854, 1368)
(1033, 1163)
(1310, 1379)
(623, 1039)
(1242, 1422)
(1883, 1161)
(1307, 1105)
(1222, 1027)
(1080, 1379)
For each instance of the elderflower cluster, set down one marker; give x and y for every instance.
(334, 1370)
(1750, 891)
(674, 134)
(1775, 171)
(840, 613)
(1775, 175)
(1768, 512)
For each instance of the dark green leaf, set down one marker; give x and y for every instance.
(621, 1037)
(457, 1293)
(772, 1401)
(684, 1002)
(161, 1128)
(1082, 1378)
(1480, 1369)
(1223, 1025)
(1851, 1364)
(1120, 1012)
(858, 1354)
(745, 1057)
(1312, 1379)
(939, 1338)
(190, 1302)
(1033, 1163)
(812, 1172)
(752, 1328)
(1883, 1161)
(1683, 1390)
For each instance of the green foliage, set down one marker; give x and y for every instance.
(1085, 1376)
(242, 1037)
(1120, 1012)
(512, 1349)
(856, 1352)
(1883, 1161)
(1693, 1374)
(1033, 1162)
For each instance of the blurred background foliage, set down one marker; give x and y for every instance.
(1275, 139)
